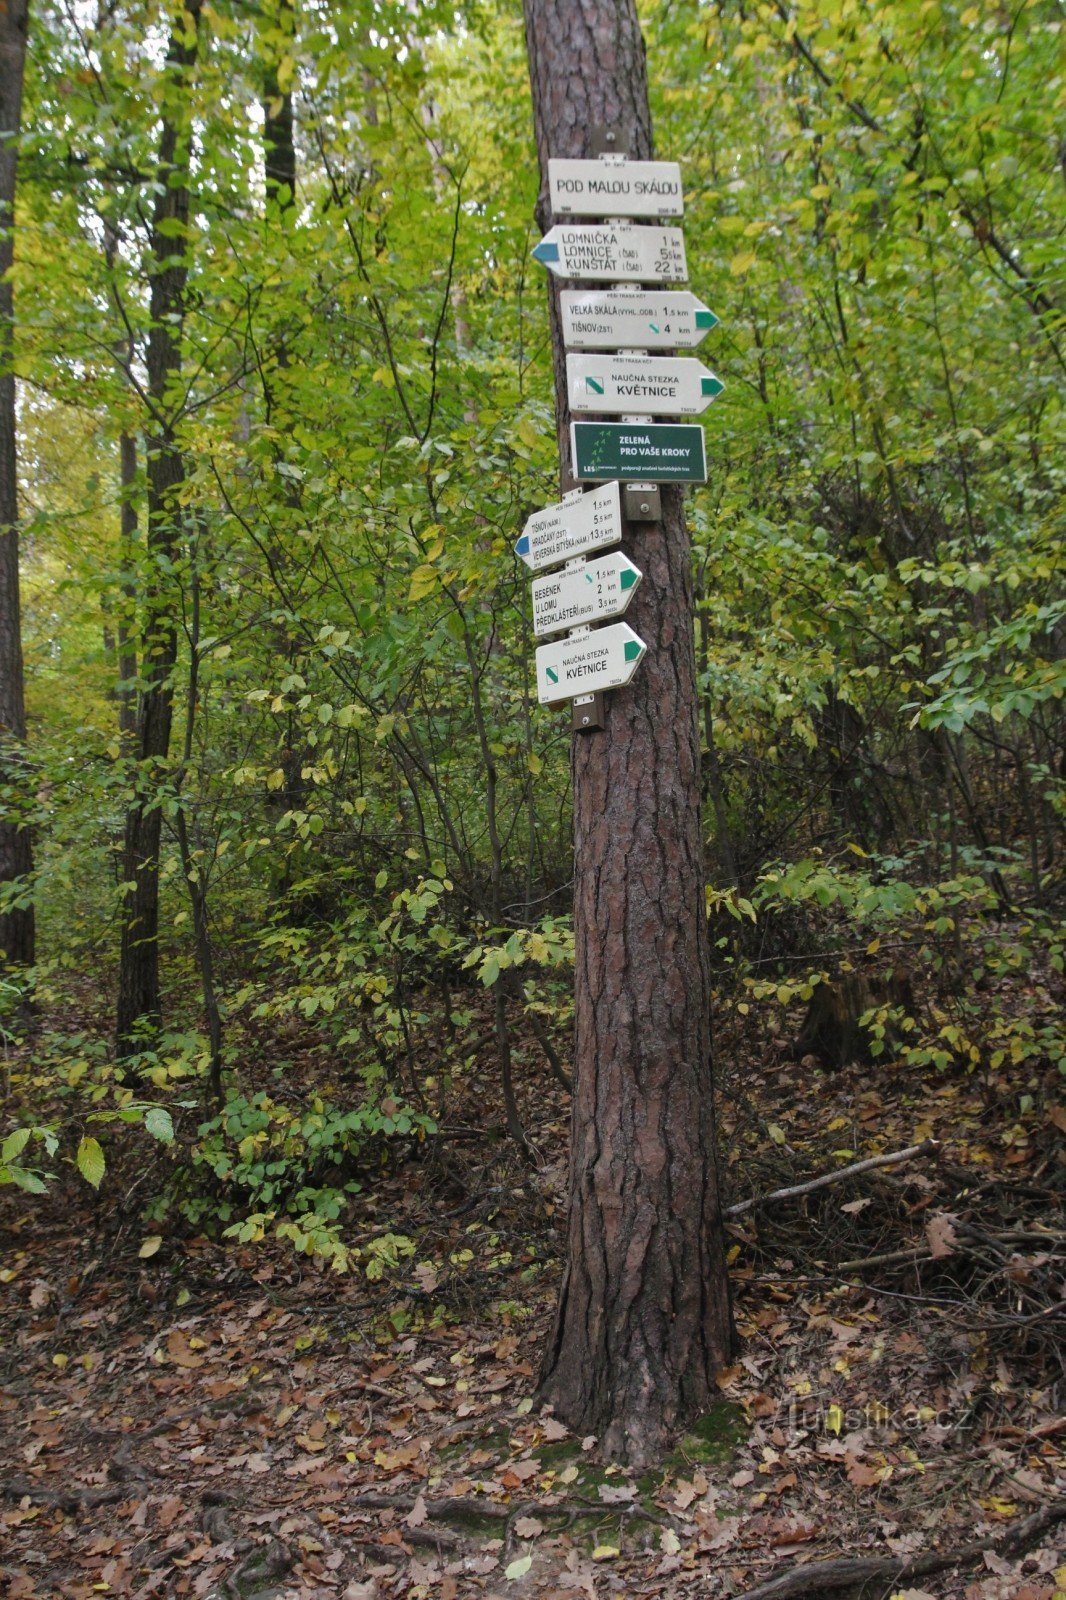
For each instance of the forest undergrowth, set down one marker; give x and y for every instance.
(187, 1416)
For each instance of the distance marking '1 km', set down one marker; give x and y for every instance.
(613, 252)
(615, 188)
(665, 386)
(659, 452)
(587, 592)
(606, 658)
(571, 528)
(633, 319)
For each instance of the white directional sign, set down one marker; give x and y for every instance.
(614, 252)
(605, 658)
(629, 319)
(587, 522)
(585, 592)
(615, 188)
(655, 385)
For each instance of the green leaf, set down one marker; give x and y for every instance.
(14, 1144)
(519, 1568)
(24, 1180)
(90, 1159)
(160, 1124)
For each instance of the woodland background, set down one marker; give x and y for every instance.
(364, 935)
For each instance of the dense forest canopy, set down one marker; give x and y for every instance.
(358, 790)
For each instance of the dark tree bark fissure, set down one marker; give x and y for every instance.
(643, 1321)
(17, 927)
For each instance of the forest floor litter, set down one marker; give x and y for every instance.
(211, 1420)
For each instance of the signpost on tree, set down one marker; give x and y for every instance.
(643, 1321)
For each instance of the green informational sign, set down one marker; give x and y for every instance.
(654, 452)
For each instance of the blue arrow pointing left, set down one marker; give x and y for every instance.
(547, 250)
(522, 547)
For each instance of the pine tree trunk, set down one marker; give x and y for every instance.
(16, 850)
(643, 1321)
(138, 996)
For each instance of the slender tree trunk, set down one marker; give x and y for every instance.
(139, 998)
(279, 144)
(127, 650)
(643, 1321)
(17, 931)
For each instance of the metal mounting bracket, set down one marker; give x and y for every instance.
(605, 139)
(642, 502)
(586, 712)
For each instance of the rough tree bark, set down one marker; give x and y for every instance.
(138, 996)
(16, 850)
(643, 1321)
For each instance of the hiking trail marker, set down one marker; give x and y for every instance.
(584, 592)
(614, 252)
(599, 658)
(616, 187)
(634, 319)
(658, 385)
(658, 452)
(634, 382)
(580, 523)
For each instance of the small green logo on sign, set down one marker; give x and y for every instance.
(631, 650)
(552, 675)
(593, 386)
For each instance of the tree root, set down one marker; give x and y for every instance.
(263, 1565)
(69, 1500)
(823, 1578)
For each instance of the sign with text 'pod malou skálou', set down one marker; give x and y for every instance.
(580, 523)
(658, 452)
(586, 591)
(604, 658)
(615, 188)
(633, 319)
(614, 251)
(666, 386)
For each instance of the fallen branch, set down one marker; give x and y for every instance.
(928, 1147)
(822, 1578)
(69, 1500)
(449, 1506)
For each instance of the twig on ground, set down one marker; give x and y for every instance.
(926, 1148)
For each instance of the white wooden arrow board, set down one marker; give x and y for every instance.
(631, 319)
(667, 386)
(576, 525)
(615, 188)
(611, 251)
(586, 592)
(605, 658)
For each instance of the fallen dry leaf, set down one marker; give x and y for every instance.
(418, 1513)
(940, 1234)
